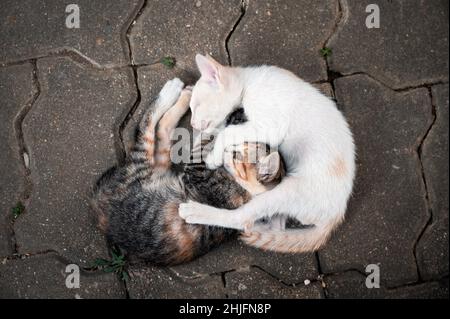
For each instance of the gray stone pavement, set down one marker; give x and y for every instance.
(70, 99)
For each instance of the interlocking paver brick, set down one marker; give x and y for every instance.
(410, 47)
(183, 28)
(289, 268)
(387, 210)
(44, 276)
(352, 284)
(432, 249)
(289, 34)
(16, 91)
(152, 282)
(36, 28)
(70, 135)
(255, 283)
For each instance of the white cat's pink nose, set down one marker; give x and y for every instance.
(201, 125)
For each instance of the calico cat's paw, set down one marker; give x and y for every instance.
(170, 92)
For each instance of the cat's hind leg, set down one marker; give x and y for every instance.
(166, 126)
(144, 150)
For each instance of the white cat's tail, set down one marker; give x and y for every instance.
(290, 240)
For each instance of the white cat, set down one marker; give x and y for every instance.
(313, 138)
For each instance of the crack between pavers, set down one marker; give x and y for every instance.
(243, 8)
(419, 152)
(126, 29)
(391, 288)
(341, 15)
(24, 154)
(21, 256)
(292, 285)
(119, 141)
(414, 284)
(425, 84)
(53, 253)
(334, 75)
(120, 144)
(320, 271)
(76, 57)
(224, 283)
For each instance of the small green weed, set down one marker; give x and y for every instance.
(169, 61)
(117, 264)
(326, 52)
(17, 210)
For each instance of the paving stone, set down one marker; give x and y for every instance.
(151, 79)
(289, 268)
(70, 135)
(432, 249)
(289, 34)
(326, 89)
(183, 28)
(44, 276)
(152, 282)
(255, 283)
(387, 211)
(352, 284)
(16, 91)
(100, 38)
(407, 49)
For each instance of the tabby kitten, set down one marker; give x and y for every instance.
(136, 205)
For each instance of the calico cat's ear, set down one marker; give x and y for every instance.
(209, 68)
(241, 169)
(269, 167)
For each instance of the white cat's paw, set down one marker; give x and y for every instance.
(170, 92)
(194, 213)
(212, 161)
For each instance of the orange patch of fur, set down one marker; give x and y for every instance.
(103, 222)
(182, 234)
(338, 168)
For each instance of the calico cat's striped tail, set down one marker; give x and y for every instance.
(153, 143)
(290, 240)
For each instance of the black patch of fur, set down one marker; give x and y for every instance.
(236, 117)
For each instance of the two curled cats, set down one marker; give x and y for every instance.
(136, 204)
(283, 151)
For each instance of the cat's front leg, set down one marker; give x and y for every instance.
(196, 213)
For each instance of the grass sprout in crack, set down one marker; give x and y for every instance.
(168, 61)
(326, 52)
(117, 264)
(17, 210)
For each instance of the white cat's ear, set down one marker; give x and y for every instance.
(268, 167)
(209, 68)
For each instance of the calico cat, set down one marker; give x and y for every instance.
(136, 205)
(314, 140)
